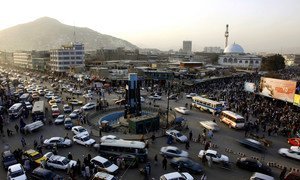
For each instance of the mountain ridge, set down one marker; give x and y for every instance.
(47, 33)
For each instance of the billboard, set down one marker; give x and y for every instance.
(249, 87)
(277, 88)
(297, 95)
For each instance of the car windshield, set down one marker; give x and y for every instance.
(68, 122)
(16, 173)
(81, 130)
(65, 161)
(218, 155)
(107, 164)
(179, 134)
(9, 158)
(178, 151)
(86, 138)
(37, 156)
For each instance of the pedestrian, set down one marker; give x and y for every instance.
(23, 142)
(17, 128)
(87, 172)
(209, 161)
(9, 132)
(190, 135)
(282, 174)
(155, 159)
(199, 138)
(67, 136)
(41, 139)
(164, 163)
(100, 131)
(35, 144)
(210, 134)
(39, 149)
(204, 160)
(153, 138)
(83, 171)
(70, 157)
(27, 165)
(187, 145)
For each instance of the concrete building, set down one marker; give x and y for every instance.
(67, 57)
(235, 56)
(22, 59)
(212, 50)
(187, 47)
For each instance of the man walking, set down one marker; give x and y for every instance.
(164, 162)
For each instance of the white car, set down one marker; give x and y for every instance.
(49, 95)
(88, 95)
(109, 137)
(210, 125)
(103, 175)
(75, 114)
(60, 162)
(214, 155)
(54, 107)
(104, 165)
(293, 152)
(83, 139)
(79, 129)
(28, 105)
(89, 106)
(177, 135)
(142, 99)
(191, 95)
(67, 108)
(257, 176)
(60, 119)
(155, 96)
(182, 110)
(58, 141)
(16, 172)
(172, 151)
(177, 175)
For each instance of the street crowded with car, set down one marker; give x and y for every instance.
(196, 142)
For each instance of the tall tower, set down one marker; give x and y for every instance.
(133, 97)
(226, 36)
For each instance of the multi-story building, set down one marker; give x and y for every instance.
(67, 57)
(187, 47)
(22, 59)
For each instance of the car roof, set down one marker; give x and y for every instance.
(83, 134)
(31, 151)
(211, 151)
(15, 167)
(55, 138)
(263, 176)
(173, 130)
(295, 148)
(252, 141)
(172, 175)
(7, 153)
(100, 159)
(57, 158)
(171, 147)
(40, 170)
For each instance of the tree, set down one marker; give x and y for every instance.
(273, 63)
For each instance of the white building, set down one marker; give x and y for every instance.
(235, 56)
(22, 59)
(69, 56)
(187, 47)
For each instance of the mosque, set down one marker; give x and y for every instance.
(235, 56)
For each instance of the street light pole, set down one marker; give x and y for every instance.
(168, 104)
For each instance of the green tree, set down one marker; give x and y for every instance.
(272, 63)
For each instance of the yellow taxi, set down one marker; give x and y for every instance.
(34, 156)
(52, 102)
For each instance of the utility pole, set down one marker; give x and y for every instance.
(168, 104)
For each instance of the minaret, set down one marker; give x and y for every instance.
(226, 36)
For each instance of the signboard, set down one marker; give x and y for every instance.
(277, 88)
(297, 95)
(249, 87)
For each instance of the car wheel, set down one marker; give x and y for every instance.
(284, 155)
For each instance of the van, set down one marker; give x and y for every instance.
(33, 126)
(15, 110)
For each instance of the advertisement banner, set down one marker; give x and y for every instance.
(249, 87)
(277, 88)
(297, 95)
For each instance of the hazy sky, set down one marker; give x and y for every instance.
(257, 25)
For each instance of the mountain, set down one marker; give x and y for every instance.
(48, 33)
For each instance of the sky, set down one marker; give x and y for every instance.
(257, 25)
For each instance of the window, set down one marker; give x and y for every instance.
(251, 61)
(256, 62)
(246, 62)
(225, 60)
(230, 60)
(79, 52)
(78, 57)
(235, 60)
(240, 61)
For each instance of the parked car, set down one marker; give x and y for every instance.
(75, 102)
(210, 125)
(190, 95)
(252, 144)
(52, 102)
(155, 96)
(34, 156)
(177, 176)
(182, 110)
(44, 174)
(293, 152)
(253, 165)
(67, 108)
(16, 172)
(60, 119)
(214, 155)
(57, 99)
(89, 106)
(68, 123)
(260, 176)
(60, 162)
(83, 139)
(109, 137)
(177, 135)
(58, 141)
(8, 159)
(172, 151)
(75, 114)
(79, 129)
(173, 96)
(186, 165)
(294, 141)
(103, 176)
(105, 165)
(88, 95)
(28, 105)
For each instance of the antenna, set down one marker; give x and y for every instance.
(226, 35)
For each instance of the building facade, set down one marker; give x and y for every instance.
(234, 56)
(67, 57)
(212, 50)
(187, 47)
(22, 59)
